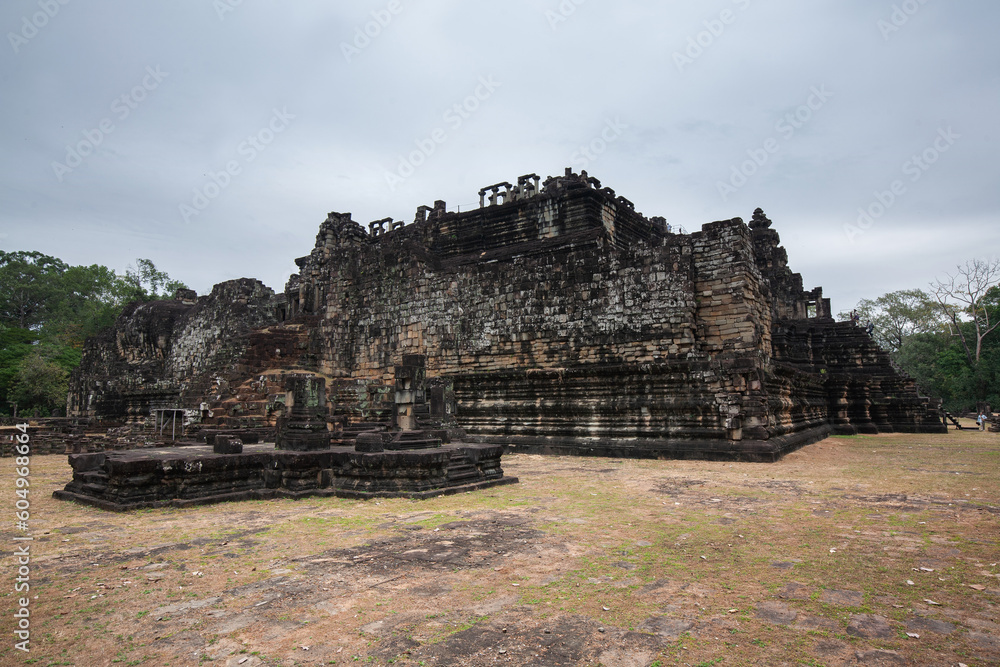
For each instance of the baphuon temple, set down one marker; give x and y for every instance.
(554, 318)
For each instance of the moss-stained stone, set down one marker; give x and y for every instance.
(559, 318)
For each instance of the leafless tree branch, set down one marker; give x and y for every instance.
(962, 295)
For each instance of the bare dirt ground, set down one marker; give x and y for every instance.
(878, 550)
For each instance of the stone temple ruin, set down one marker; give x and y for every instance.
(554, 318)
(307, 458)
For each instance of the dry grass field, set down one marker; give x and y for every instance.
(864, 550)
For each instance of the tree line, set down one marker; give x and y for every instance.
(48, 309)
(946, 337)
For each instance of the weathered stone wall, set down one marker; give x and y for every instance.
(215, 329)
(564, 304)
(163, 353)
(563, 319)
(864, 392)
(562, 315)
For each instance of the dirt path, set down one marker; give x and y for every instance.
(875, 550)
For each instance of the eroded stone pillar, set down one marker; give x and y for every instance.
(304, 428)
(410, 376)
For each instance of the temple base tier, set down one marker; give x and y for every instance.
(194, 475)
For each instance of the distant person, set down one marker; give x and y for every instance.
(870, 328)
(855, 318)
(982, 422)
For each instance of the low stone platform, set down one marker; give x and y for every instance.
(194, 475)
(749, 450)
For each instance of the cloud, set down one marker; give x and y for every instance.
(687, 129)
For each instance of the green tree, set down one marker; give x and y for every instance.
(15, 345)
(88, 300)
(47, 311)
(969, 300)
(28, 283)
(145, 281)
(41, 384)
(945, 351)
(971, 295)
(896, 316)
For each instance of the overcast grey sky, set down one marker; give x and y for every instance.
(214, 136)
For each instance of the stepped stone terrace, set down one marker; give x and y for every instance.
(555, 318)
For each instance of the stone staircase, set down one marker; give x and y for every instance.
(351, 431)
(413, 440)
(93, 481)
(250, 392)
(954, 421)
(255, 403)
(864, 392)
(461, 470)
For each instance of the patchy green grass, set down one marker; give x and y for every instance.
(836, 529)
